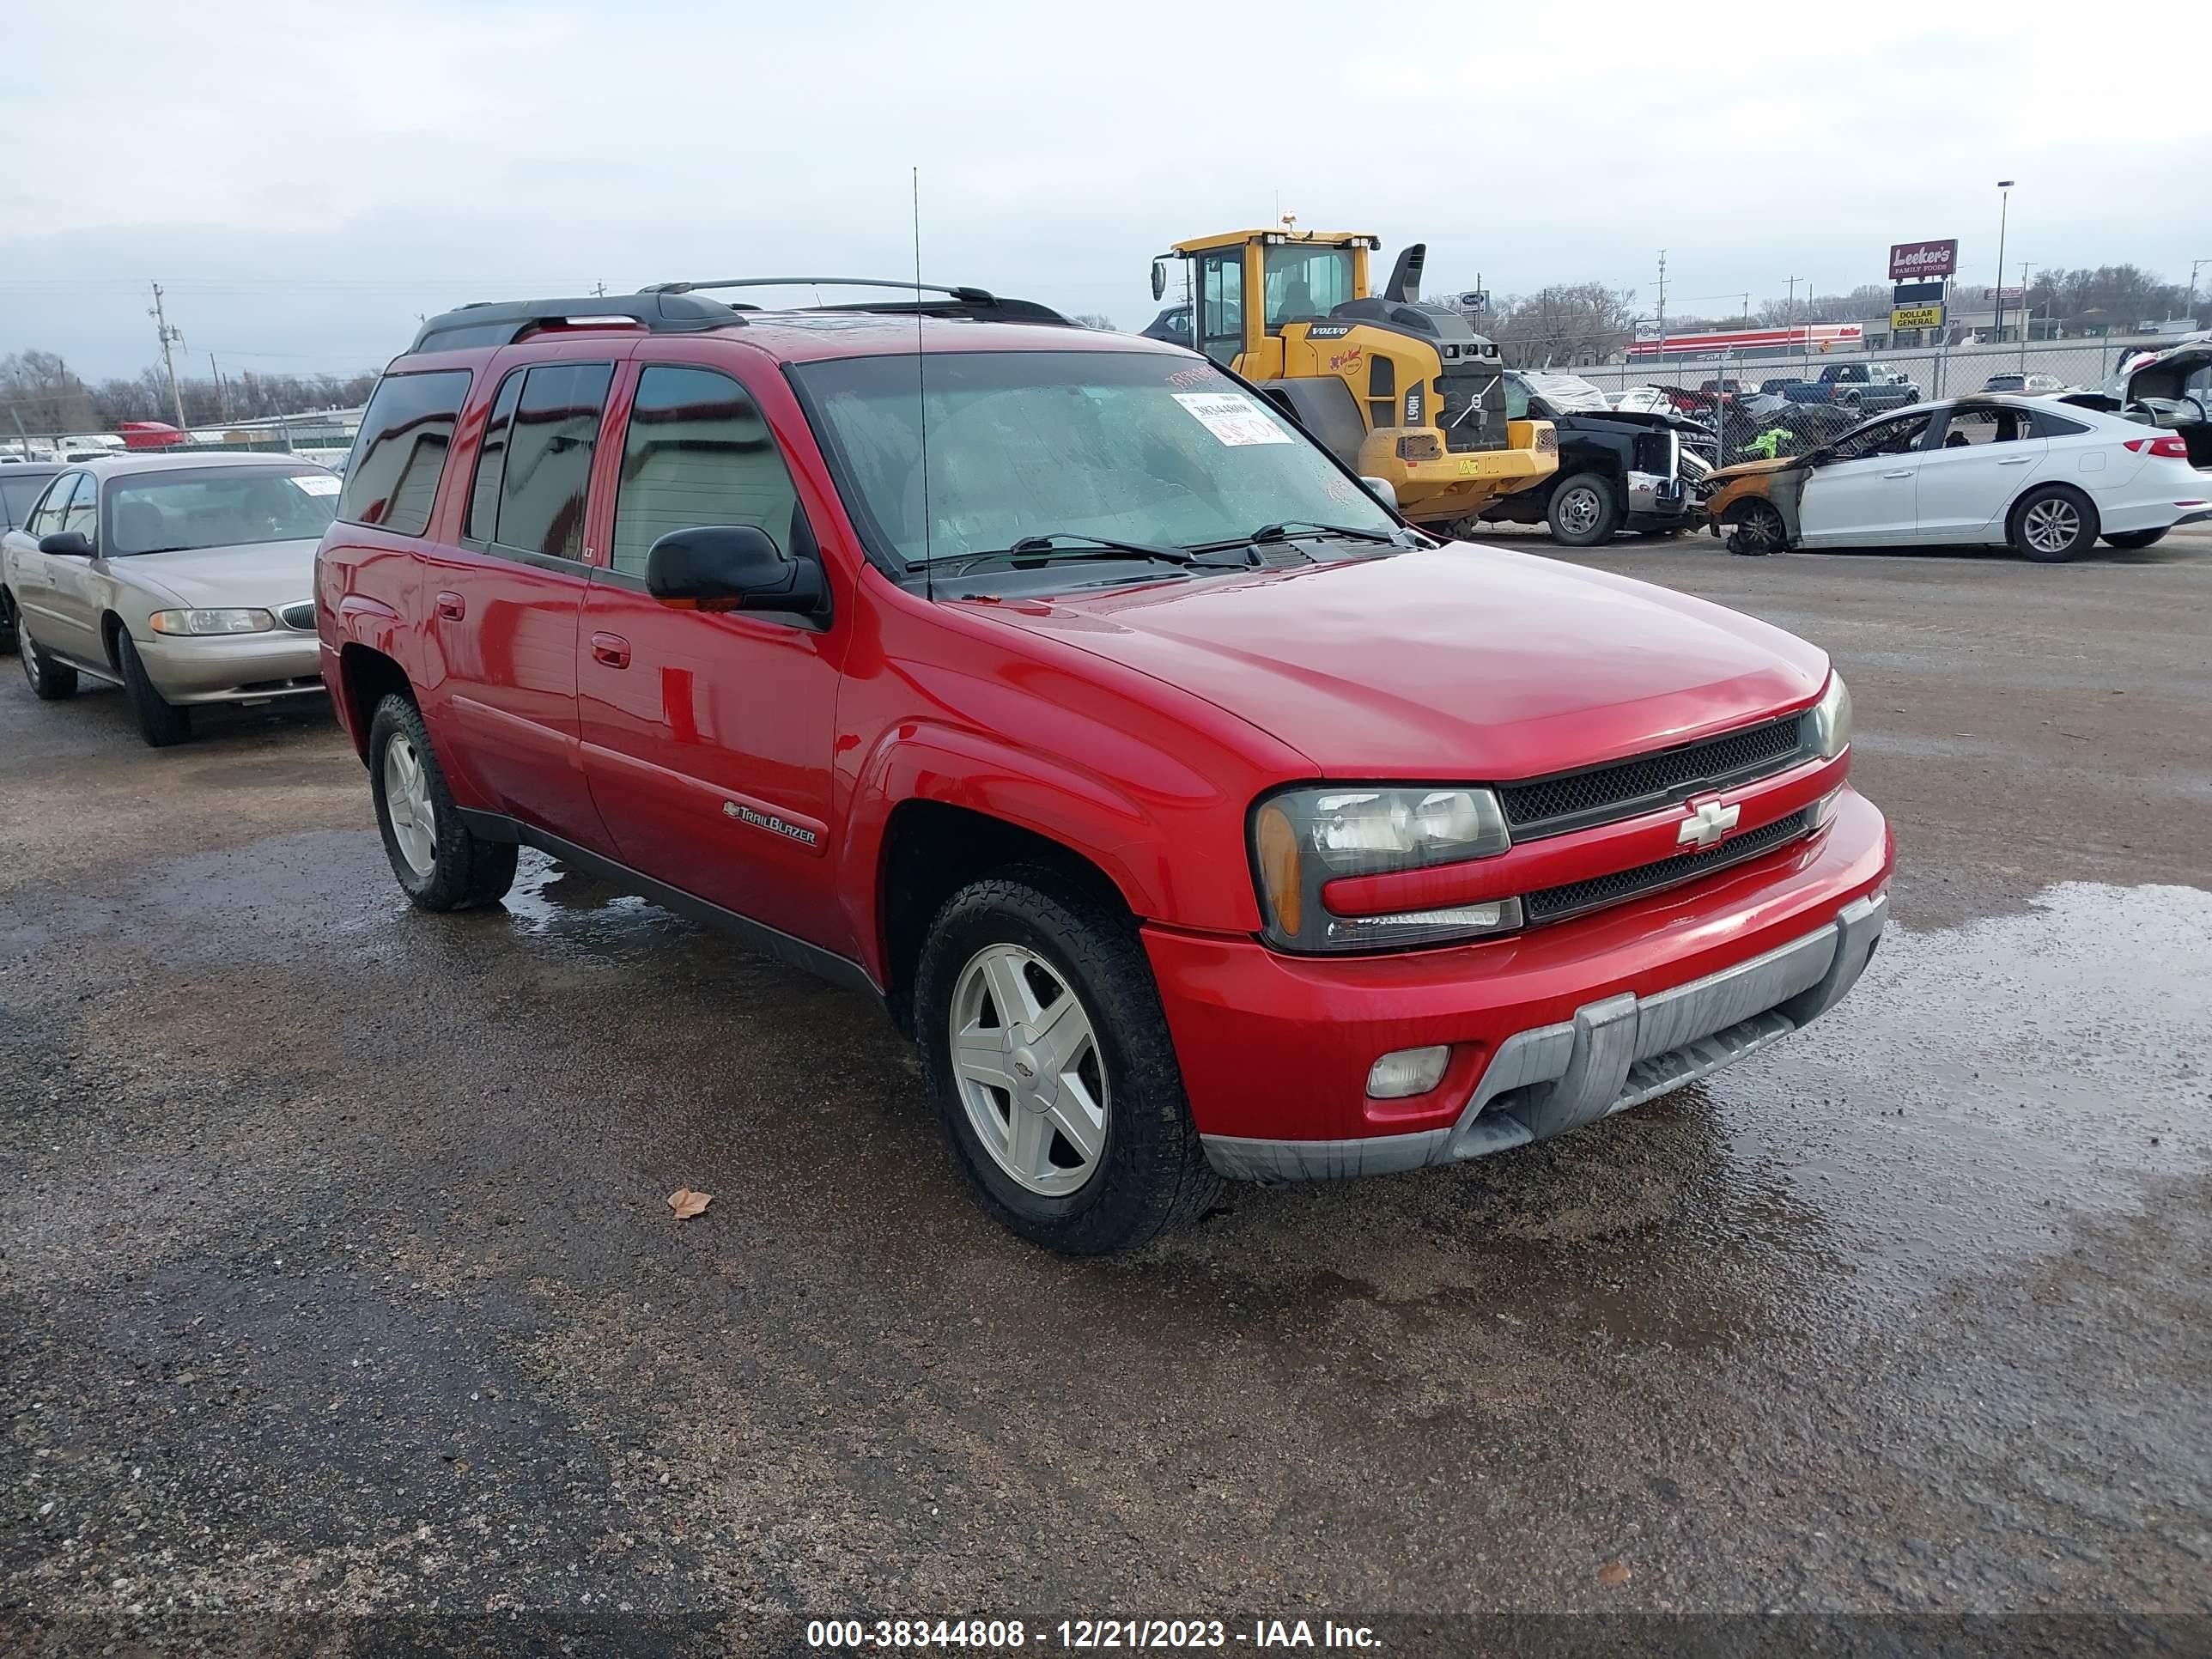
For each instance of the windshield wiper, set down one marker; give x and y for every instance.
(1268, 534)
(1046, 550)
(1281, 532)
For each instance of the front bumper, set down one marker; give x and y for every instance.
(233, 668)
(1656, 502)
(1550, 1029)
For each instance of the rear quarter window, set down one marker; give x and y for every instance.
(406, 434)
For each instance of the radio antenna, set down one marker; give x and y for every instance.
(921, 400)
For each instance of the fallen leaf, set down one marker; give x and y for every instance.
(686, 1203)
(1614, 1574)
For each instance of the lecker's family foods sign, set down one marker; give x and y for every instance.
(1908, 260)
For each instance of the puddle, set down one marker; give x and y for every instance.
(1985, 1085)
(568, 907)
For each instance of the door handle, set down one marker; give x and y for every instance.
(452, 606)
(612, 649)
(1906, 474)
(2016, 460)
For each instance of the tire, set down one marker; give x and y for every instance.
(7, 622)
(2053, 523)
(443, 865)
(50, 680)
(2132, 539)
(161, 722)
(1755, 527)
(1583, 511)
(1148, 1172)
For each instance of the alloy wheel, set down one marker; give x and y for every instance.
(1026, 1059)
(28, 649)
(2051, 526)
(407, 804)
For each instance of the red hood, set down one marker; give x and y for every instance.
(1462, 661)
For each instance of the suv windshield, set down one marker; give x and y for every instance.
(216, 507)
(1138, 447)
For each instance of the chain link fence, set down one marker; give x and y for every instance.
(1740, 401)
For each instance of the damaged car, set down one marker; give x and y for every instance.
(2048, 480)
(2172, 387)
(1619, 469)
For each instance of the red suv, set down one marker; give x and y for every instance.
(1197, 816)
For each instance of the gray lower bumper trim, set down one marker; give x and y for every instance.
(1613, 1054)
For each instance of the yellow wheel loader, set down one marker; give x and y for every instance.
(1396, 389)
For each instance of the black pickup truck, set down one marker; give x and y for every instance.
(1619, 469)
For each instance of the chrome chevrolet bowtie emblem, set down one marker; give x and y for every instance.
(1707, 823)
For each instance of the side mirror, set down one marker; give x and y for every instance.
(1159, 278)
(66, 544)
(730, 567)
(1384, 491)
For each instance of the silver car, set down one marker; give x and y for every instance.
(183, 579)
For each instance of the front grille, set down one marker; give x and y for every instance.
(301, 616)
(1602, 794)
(1557, 903)
(1473, 409)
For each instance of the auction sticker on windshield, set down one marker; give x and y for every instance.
(316, 483)
(1232, 417)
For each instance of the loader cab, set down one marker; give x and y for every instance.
(1246, 285)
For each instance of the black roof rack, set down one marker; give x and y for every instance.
(679, 308)
(503, 322)
(976, 302)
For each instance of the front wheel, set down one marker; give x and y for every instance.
(1584, 511)
(51, 681)
(442, 863)
(1043, 1039)
(161, 722)
(2053, 523)
(2132, 539)
(1755, 527)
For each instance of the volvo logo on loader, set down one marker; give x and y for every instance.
(1708, 822)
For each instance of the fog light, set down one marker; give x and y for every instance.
(1407, 1071)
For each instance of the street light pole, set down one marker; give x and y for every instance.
(2004, 211)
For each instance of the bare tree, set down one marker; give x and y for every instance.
(1568, 323)
(43, 395)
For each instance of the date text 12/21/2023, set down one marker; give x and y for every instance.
(1085, 1635)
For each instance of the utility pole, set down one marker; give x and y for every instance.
(171, 337)
(2026, 313)
(2004, 212)
(599, 290)
(2195, 265)
(1662, 313)
(221, 397)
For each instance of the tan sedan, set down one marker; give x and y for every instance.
(184, 579)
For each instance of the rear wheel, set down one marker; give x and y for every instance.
(161, 722)
(2053, 523)
(1044, 1041)
(441, 862)
(51, 681)
(1584, 512)
(2132, 539)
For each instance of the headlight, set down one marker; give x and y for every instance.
(212, 621)
(1831, 719)
(1304, 838)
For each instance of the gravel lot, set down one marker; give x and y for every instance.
(338, 1277)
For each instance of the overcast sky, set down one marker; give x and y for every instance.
(304, 178)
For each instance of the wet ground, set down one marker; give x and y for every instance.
(337, 1275)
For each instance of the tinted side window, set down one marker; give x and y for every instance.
(549, 458)
(698, 452)
(399, 456)
(491, 461)
(2048, 425)
(18, 496)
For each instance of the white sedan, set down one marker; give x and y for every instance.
(2048, 479)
